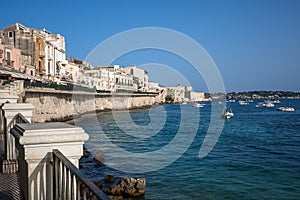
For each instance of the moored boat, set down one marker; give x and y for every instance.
(227, 114)
(286, 109)
(199, 105)
(241, 102)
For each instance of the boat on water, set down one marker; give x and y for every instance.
(227, 114)
(184, 103)
(199, 105)
(260, 104)
(269, 104)
(286, 108)
(241, 102)
(275, 101)
(230, 101)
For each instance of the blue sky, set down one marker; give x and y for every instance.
(255, 44)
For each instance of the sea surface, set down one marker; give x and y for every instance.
(257, 155)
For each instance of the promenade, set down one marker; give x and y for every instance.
(9, 184)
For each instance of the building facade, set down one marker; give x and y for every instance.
(141, 78)
(43, 54)
(10, 58)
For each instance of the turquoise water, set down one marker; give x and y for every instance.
(256, 157)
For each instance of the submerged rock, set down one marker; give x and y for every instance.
(128, 187)
(99, 157)
(109, 179)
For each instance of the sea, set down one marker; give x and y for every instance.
(255, 155)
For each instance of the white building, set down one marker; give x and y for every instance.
(140, 76)
(124, 82)
(177, 93)
(55, 56)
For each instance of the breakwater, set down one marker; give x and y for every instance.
(53, 105)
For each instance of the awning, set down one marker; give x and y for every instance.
(18, 75)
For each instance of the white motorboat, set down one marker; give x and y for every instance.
(268, 104)
(286, 109)
(199, 105)
(243, 102)
(275, 101)
(260, 104)
(227, 114)
(231, 100)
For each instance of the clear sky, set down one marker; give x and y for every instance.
(255, 44)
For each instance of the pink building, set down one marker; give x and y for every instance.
(10, 58)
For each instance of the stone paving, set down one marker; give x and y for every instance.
(9, 184)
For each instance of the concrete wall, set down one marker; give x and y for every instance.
(55, 105)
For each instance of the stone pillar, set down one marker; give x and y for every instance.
(8, 98)
(35, 143)
(12, 109)
(9, 111)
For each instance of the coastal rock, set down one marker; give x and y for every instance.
(100, 158)
(109, 179)
(127, 186)
(98, 184)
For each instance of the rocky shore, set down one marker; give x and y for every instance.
(117, 188)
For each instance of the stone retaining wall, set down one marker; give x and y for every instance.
(55, 105)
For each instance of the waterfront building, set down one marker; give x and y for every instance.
(177, 93)
(140, 76)
(73, 72)
(152, 86)
(193, 96)
(124, 82)
(10, 58)
(43, 54)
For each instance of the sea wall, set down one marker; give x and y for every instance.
(61, 105)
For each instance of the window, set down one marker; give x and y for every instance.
(31, 72)
(8, 58)
(10, 34)
(49, 67)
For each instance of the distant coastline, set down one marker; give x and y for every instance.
(256, 95)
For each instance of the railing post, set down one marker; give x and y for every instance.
(35, 143)
(9, 111)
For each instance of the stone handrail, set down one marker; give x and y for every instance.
(69, 183)
(10, 164)
(11, 114)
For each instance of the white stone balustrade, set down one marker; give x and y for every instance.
(35, 143)
(12, 109)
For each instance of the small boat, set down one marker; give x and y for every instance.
(286, 109)
(260, 104)
(243, 102)
(275, 101)
(184, 103)
(199, 105)
(227, 114)
(268, 104)
(230, 100)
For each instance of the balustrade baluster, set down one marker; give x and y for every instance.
(74, 185)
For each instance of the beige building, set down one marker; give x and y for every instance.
(193, 96)
(42, 54)
(10, 58)
(140, 76)
(124, 82)
(177, 93)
